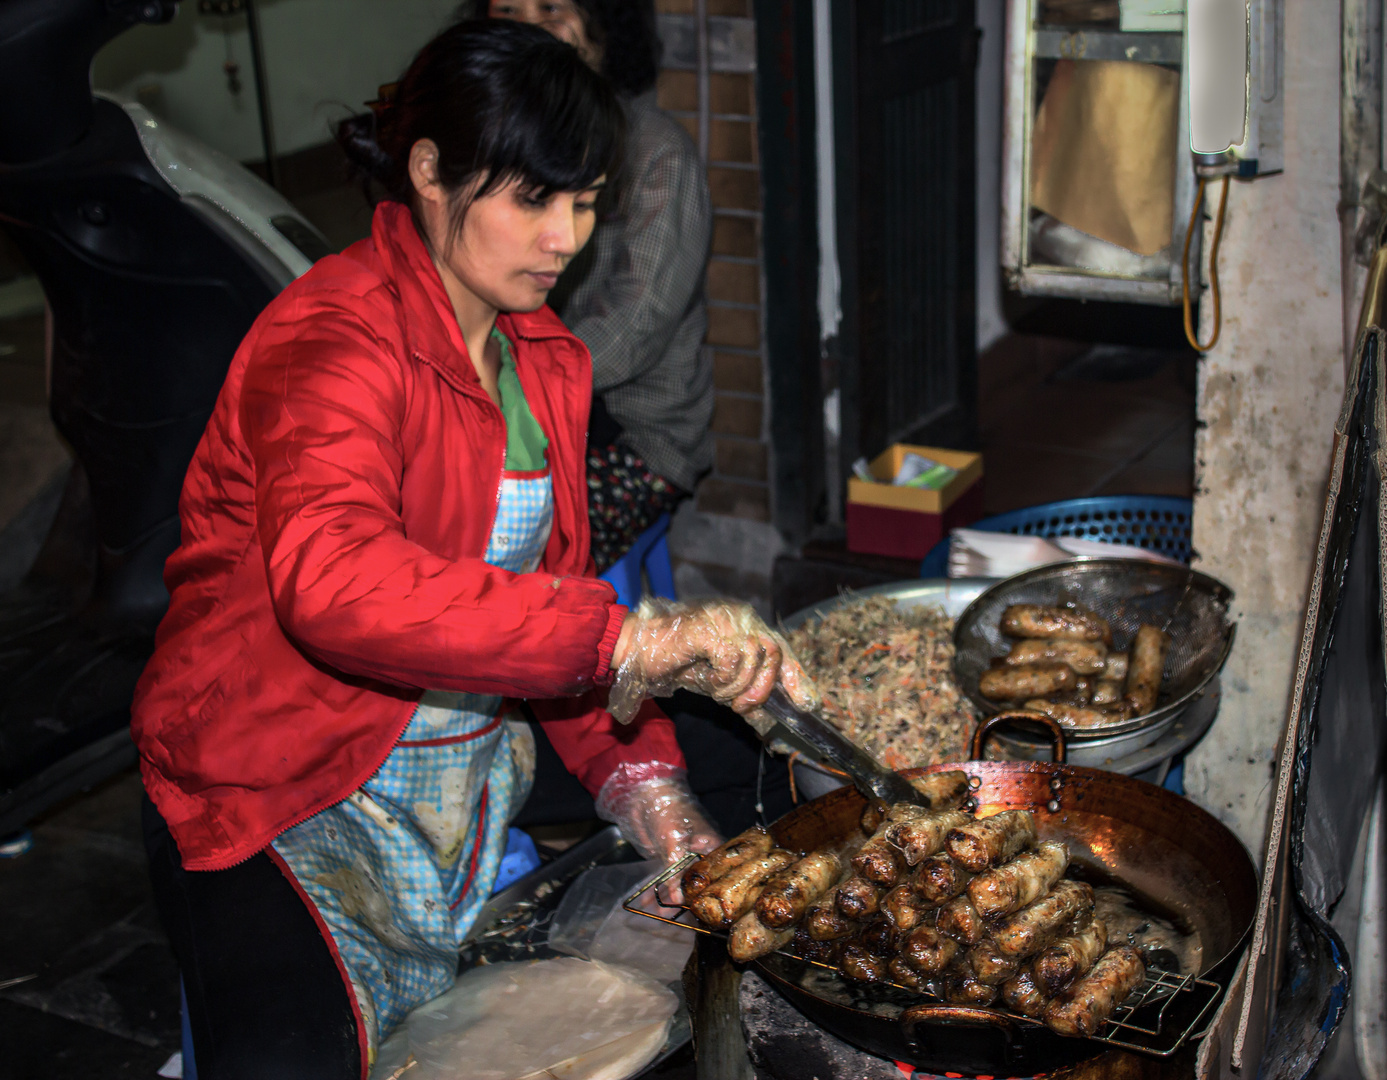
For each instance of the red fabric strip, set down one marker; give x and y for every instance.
(476, 848)
(452, 740)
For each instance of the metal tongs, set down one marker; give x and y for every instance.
(827, 743)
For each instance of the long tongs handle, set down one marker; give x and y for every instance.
(830, 745)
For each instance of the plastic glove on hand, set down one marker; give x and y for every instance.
(660, 816)
(719, 648)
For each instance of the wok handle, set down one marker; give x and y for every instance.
(1058, 751)
(962, 1015)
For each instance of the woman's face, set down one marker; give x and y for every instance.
(512, 246)
(562, 18)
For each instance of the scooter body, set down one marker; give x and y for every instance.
(155, 254)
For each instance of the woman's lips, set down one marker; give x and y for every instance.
(544, 279)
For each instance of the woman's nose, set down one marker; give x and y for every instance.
(560, 235)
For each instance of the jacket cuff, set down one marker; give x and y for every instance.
(615, 617)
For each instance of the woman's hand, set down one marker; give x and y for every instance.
(659, 815)
(719, 648)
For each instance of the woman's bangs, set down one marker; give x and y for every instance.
(563, 139)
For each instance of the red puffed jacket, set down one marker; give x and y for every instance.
(334, 520)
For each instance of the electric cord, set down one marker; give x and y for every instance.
(1190, 334)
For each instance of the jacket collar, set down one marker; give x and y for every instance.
(429, 325)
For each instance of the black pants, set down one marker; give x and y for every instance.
(266, 1000)
(726, 770)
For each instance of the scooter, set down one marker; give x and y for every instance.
(155, 254)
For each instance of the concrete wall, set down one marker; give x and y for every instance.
(323, 59)
(1268, 396)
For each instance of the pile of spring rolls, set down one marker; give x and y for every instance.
(976, 911)
(1062, 665)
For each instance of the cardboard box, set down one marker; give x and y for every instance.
(905, 522)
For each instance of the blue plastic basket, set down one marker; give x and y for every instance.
(1159, 523)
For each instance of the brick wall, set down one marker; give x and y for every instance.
(738, 484)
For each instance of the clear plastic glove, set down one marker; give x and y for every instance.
(719, 648)
(658, 814)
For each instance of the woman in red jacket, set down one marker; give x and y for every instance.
(385, 539)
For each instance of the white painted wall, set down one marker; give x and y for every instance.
(990, 323)
(323, 59)
(1268, 397)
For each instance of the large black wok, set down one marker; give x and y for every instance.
(1178, 859)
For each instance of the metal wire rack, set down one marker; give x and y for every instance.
(1163, 1013)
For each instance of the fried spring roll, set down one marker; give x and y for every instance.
(1011, 887)
(1081, 716)
(1106, 692)
(858, 898)
(825, 952)
(1148, 664)
(928, 951)
(1085, 657)
(879, 936)
(1023, 996)
(993, 840)
(1070, 957)
(920, 837)
(879, 859)
(823, 921)
(750, 938)
(963, 988)
(1090, 1000)
(861, 964)
(901, 973)
(1034, 927)
(789, 893)
(904, 908)
(942, 790)
(1029, 680)
(741, 848)
(940, 879)
(960, 919)
(1041, 621)
(990, 965)
(873, 814)
(1116, 666)
(729, 897)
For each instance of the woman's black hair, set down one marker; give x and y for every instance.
(625, 29)
(502, 101)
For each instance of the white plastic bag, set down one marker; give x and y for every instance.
(570, 1018)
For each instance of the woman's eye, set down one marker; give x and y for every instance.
(585, 207)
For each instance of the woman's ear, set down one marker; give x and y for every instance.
(423, 171)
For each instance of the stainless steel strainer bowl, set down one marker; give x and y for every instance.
(1190, 606)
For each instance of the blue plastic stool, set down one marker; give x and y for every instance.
(650, 553)
(1159, 523)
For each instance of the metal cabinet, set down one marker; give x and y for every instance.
(1041, 257)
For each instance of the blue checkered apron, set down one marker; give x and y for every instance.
(399, 869)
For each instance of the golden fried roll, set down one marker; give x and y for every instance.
(904, 907)
(920, 837)
(789, 893)
(1116, 666)
(942, 790)
(748, 845)
(873, 814)
(901, 973)
(991, 841)
(878, 859)
(750, 938)
(879, 936)
(1027, 877)
(939, 879)
(861, 964)
(1090, 1000)
(825, 952)
(928, 951)
(1147, 667)
(1021, 995)
(729, 897)
(1029, 680)
(1085, 657)
(960, 919)
(858, 898)
(1081, 716)
(1106, 692)
(964, 988)
(1035, 926)
(1041, 621)
(990, 965)
(823, 922)
(1070, 957)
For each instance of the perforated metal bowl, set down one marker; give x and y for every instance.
(1190, 606)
